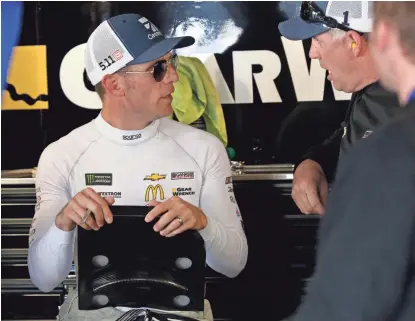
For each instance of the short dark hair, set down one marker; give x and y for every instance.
(100, 90)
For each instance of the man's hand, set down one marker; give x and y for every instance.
(177, 216)
(310, 188)
(75, 210)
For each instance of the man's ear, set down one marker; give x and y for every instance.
(382, 35)
(355, 42)
(113, 85)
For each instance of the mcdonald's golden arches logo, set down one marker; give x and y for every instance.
(158, 189)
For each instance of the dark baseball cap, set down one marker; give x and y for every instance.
(295, 28)
(126, 39)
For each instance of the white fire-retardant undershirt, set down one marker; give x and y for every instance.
(164, 159)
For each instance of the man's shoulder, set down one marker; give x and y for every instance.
(381, 97)
(204, 148)
(390, 146)
(378, 168)
(71, 145)
(396, 134)
(188, 134)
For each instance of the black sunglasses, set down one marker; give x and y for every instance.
(159, 69)
(310, 12)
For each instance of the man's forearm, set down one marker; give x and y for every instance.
(50, 255)
(226, 248)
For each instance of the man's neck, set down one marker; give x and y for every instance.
(122, 118)
(369, 74)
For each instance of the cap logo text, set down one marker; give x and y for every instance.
(148, 25)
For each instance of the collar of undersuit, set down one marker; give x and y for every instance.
(126, 137)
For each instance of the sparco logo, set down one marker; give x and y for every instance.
(182, 175)
(98, 179)
(131, 137)
(113, 194)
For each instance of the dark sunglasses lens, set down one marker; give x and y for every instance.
(160, 70)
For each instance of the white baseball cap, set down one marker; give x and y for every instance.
(126, 39)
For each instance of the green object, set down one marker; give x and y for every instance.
(196, 96)
(231, 152)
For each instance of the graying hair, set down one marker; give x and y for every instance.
(338, 34)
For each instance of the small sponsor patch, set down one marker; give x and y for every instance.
(155, 191)
(33, 221)
(238, 214)
(182, 175)
(117, 55)
(367, 133)
(155, 177)
(228, 180)
(131, 137)
(182, 191)
(38, 201)
(98, 179)
(230, 189)
(232, 199)
(112, 194)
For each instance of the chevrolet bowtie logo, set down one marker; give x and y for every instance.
(154, 177)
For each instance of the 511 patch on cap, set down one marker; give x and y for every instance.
(98, 179)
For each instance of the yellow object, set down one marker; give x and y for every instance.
(154, 189)
(27, 84)
(154, 177)
(353, 45)
(195, 96)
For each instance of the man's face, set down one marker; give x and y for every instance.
(335, 57)
(145, 95)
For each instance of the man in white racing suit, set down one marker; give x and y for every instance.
(132, 154)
